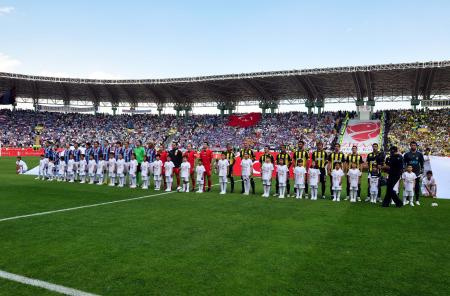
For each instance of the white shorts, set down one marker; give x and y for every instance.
(112, 174)
(337, 188)
(301, 186)
(169, 179)
(157, 177)
(373, 192)
(200, 181)
(144, 177)
(223, 179)
(245, 178)
(408, 193)
(313, 186)
(267, 182)
(185, 179)
(354, 187)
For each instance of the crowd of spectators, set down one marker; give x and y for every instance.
(19, 129)
(429, 128)
(272, 129)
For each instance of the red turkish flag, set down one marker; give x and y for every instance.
(364, 131)
(245, 120)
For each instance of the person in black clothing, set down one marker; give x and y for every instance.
(229, 155)
(321, 158)
(415, 159)
(375, 159)
(266, 154)
(177, 157)
(394, 166)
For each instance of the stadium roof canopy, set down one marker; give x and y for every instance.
(422, 80)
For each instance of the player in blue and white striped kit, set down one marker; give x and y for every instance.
(128, 151)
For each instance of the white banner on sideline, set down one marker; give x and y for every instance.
(441, 168)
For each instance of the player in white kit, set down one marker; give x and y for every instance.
(71, 169)
(132, 170)
(313, 179)
(185, 169)
(354, 175)
(120, 169)
(157, 170)
(336, 177)
(100, 174)
(61, 170)
(50, 168)
(374, 180)
(168, 172)
(266, 175)
(92, 166)
(409, 181)
(112, 169)
(145, 168)
(282, 173)
(42, 163)
(200, 171)
(246, 172)
(429, 185)
(82, 165)
(299, 179)
(222, 166)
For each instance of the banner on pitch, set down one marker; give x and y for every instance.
(362, 134)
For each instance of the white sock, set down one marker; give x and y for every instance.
(300, 192)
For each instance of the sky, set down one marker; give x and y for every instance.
(162, 39)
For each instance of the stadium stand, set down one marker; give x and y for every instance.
(18, 129)
(430, 128)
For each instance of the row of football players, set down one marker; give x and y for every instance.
(117, 171)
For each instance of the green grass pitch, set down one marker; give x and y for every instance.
(191, 244)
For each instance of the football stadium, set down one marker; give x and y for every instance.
(318, 180)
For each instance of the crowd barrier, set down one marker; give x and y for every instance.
(21, 152)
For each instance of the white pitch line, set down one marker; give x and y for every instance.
(83, 207)
(89, 206)
(42, 284)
